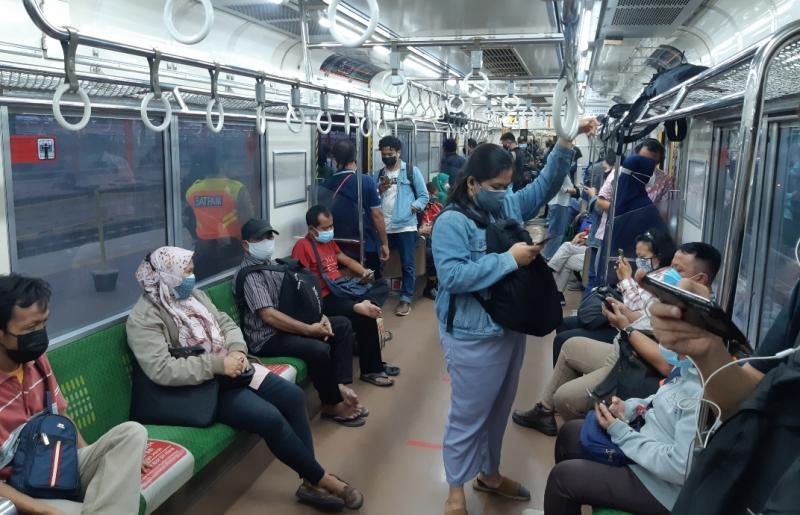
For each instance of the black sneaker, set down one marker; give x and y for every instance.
(538, 418)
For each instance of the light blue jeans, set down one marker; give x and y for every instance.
(558, 218)
(484, 375)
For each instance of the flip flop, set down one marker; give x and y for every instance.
(390, 370)
(354, 421)
(375, 379)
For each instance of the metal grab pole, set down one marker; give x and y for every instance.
(752, 109)
(60, 34)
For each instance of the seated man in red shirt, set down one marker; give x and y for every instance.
(362, 310)
(109, 468)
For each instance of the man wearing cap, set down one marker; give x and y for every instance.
(326, 346)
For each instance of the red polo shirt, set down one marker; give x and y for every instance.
(19, 402)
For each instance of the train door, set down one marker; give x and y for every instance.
(422, 151)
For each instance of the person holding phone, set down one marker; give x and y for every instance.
(659, 451)
(483, 359)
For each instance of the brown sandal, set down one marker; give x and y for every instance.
(353, 499)
(508, 488)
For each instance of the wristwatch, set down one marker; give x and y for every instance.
(629, 331)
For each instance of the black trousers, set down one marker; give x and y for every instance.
(366, 332)
(575, 481)
(372, 260)
(329, 363)
(277, 413)
(570, 328)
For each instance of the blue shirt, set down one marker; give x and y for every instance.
(340, 194)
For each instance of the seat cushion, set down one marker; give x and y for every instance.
(204, 443)
(171, 467)
(222, 296)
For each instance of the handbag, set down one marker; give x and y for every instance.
(631, 376)
(190, 406)
(342, 287)
(597, 445)
(590, 311)
(45, 462)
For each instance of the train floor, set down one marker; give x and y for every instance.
(396, 458)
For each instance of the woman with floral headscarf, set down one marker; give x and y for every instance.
(172, 313)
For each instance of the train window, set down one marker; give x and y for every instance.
(220, 189)
(782, 270)
(87, 206)
(722, 184)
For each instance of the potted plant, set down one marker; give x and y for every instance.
(105, 278)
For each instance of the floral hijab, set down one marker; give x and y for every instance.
(159, 274)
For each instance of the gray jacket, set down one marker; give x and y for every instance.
(151, 331)
(661, 449)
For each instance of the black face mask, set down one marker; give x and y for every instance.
(389, 161)
(29, 346)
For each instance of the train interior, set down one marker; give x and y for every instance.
(160, 96)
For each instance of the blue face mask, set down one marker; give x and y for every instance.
(325, 236)
(672, 358)
(645, 264)
(672, 276)
(184, 289)
(523, 146)
(490, 200)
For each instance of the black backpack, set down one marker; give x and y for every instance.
(299, 297)
(631, 377)
(526, 300)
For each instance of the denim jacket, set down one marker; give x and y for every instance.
(462, 264)
(403, 216)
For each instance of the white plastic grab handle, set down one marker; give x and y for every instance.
(479, 89)
(349, 126)
(517, 103)
(374, 12)
(383, 128)
(456, 108)
(295, 119)
(328, 120)
(566, 127)
(368, 131)
(197, 37)
(87, 109)
(261, 119)
(393, 90)
(167, 113)
(220, 111)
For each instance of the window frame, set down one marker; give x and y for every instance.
(171, 176)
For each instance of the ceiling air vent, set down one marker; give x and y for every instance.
(284, 18)
(502, 62)
(647, 18)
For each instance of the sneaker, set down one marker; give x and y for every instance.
(403, 309)
(538, 418)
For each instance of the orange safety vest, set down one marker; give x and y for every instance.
(214, 204)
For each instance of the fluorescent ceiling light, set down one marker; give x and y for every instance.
(276, 2)
(415, 64)
(382, 50)
(452, 83)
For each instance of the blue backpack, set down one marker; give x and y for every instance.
(45, 462)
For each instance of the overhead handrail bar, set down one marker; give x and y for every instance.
(752, 112)
(71, 84)
(155, 94)
(374, 13)
(214, 73)
(61, 34)
(190, 39)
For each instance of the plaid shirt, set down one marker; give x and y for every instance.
(634, 297)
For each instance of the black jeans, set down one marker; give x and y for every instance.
(372, 260)
(366, 331)
(570, 328)
(575, 481)
(277, 413)
(329, 363)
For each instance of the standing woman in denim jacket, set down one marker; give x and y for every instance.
(483, 359)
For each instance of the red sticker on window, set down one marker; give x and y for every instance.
(33, 149)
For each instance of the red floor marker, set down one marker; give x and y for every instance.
(425, 445)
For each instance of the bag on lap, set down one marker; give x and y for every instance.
(342, 287)
(526, 300)
(631, 376)
(597, 445)
(45, 463)
(590, 312)
(189, 406)
(299, 296)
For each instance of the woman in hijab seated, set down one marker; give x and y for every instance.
(172, 313)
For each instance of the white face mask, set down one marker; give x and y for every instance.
(262, 250)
